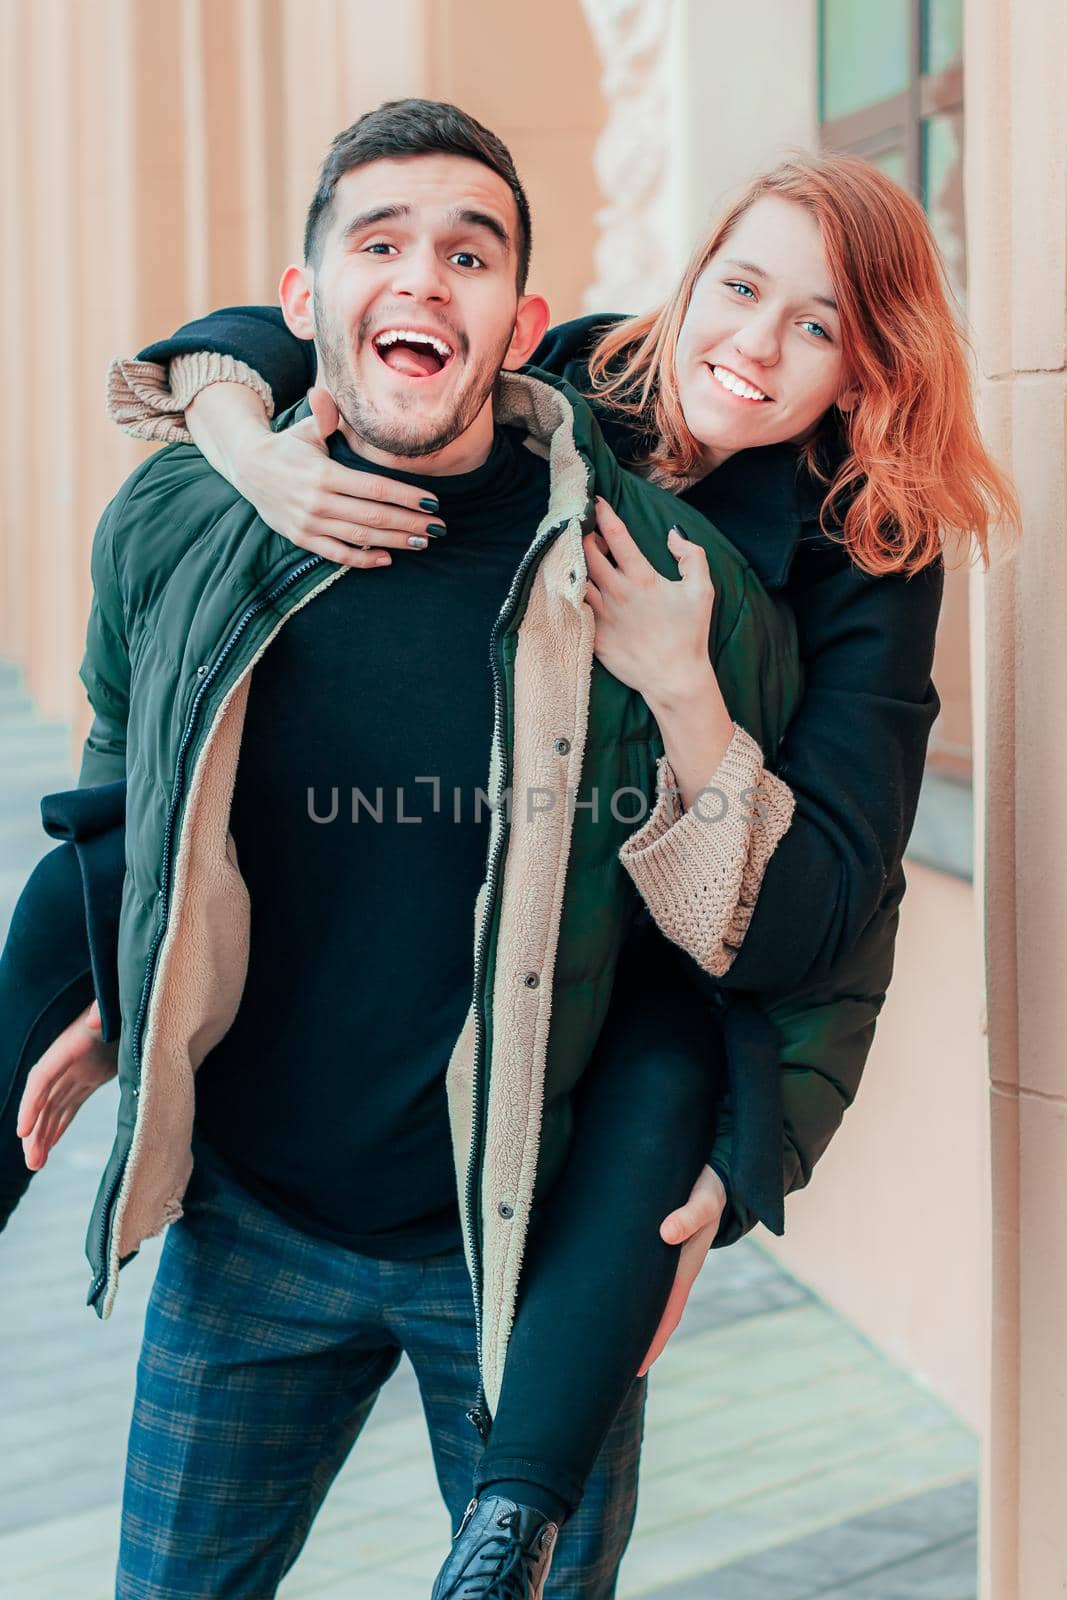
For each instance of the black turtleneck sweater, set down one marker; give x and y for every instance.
(327, 1096)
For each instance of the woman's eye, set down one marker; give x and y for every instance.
(468, 257)
(744, 290)
(816, 328)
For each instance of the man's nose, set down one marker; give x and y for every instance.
(420, 274)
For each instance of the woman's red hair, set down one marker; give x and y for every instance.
(915, 471)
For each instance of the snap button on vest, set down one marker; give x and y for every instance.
(531, 980)
(561, 746)
(505, 1209)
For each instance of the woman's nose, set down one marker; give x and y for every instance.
(759, 340)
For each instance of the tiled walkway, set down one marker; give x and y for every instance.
(785, 1458)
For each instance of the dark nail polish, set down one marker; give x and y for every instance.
(429, 505)
(436, 529)
(679, 531)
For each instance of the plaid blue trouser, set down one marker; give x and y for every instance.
(264, 1351)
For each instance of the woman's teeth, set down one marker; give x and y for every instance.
(736, 385)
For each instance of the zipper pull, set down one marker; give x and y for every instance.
(478, 1416)
(467, 1515)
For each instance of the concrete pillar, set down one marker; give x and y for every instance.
(15, 268)
(1016, 172)
(55, 445)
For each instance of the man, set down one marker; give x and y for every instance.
(257, 706)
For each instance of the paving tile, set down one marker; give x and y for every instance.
(892, 1549)
(908, 1551)
(948, 1573)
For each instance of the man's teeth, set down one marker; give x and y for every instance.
(736, 385)
(394, 335)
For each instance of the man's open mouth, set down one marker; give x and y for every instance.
(412, 353)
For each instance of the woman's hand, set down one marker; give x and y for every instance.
(71, 1069)
(354, 518)
(693, 1226)
(652, 632)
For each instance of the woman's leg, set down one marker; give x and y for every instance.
(597, 1275)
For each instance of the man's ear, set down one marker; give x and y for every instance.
(294, 293)
(531, 320)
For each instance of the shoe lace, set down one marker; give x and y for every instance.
(507, 1575)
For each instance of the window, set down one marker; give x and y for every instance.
(891, 89)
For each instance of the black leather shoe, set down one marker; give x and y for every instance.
(502, 1551)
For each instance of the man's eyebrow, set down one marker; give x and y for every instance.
(463, 216)
(758, 272)
(459, 216)
(368, 219)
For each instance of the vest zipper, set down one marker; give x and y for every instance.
(281, 587)
(478, 1414)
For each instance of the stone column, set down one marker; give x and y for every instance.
(1016, 177)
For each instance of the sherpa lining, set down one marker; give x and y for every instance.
(553, 666)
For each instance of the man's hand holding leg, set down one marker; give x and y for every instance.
(693, 1226)
(72, 1067)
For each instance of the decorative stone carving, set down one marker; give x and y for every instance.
(632, 156)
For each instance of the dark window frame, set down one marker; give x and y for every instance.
(896, 122)
(943, 833)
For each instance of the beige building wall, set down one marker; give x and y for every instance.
(748, 105)
(894, 1228)
(158, 160)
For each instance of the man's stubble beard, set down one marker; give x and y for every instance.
(419, 437)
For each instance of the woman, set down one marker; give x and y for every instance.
(805, 387)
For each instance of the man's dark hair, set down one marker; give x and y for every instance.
(414, 128)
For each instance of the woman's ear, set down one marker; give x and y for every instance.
(848, 399)
(294, 293)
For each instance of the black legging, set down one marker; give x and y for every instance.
(61, 949)
(45, 982)
(597, 1275)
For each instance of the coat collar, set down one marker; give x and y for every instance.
(766, 502)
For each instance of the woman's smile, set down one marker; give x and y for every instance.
(736, 386)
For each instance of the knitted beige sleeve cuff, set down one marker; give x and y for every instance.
(700, 871)
(148, 400)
